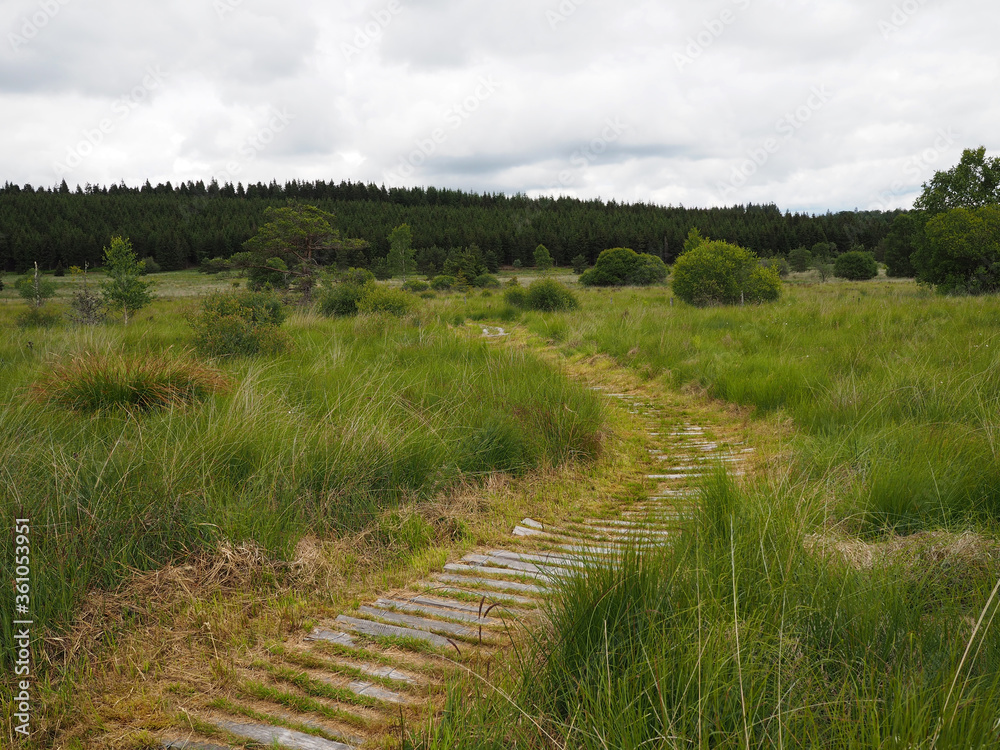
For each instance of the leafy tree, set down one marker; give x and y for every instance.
(124, 290)
(800, 259)
(717, 272)
(543, 260)
(823, 250)
(856, 265)
(972, 183)
(35, 288)
(401, 255)
(823, 267)
(961, 251)
(901, 242)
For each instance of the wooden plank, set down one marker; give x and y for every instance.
(420, 623)
(268, 735)
(483, 569)
(437, 611)
(507, 562)
(490, 583)
(491, 596)
(379, 693)
(367, 627)
(332, 636)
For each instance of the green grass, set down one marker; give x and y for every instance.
(741, 636)
(360, 416)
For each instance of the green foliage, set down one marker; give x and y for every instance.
(94, 382)
(856, 265)
(401, 254)
(38, 317)
(720, 273)
(823, 250)
(85, 303)
(579, 263)
(34, 288)
(416, 285)
(547, 295)
(464, 264)
(973, 183)
(900, 244)
(823, 267)
(799, 259)
(215, 265)
(239, 324)
(516, 296)
(486, 281)
(378, 298)
(443, 282)
(622, 266)
(779, 264)
(149, 265)
(693, 239)
(516, 263)
(961, 251)
(543, 260)
(124, 290)
(341, 299)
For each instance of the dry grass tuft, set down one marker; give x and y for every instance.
(925, 548)
(93, 382)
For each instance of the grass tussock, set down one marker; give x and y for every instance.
(95, 382)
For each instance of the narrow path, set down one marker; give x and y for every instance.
(371, 672)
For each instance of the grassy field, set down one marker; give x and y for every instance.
(846, 600)
(360, 416)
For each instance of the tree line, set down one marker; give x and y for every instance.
(181, 226)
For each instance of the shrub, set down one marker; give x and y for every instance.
(548, 295)
(579, 264)
(486, 281)
(441, 283)
(516, 263)
(214, 265)
(358, 276)
(38, 317)
(416, 285)
(341, 299)
(240, 323)
(149, 265)
(899, 245)
(800, 259)
(778, 264)
(34, 288)
(512, 282)
(856, 265)
(961, 251)
(622, 266)
(383, 299)
(717, 272)
(97, 382)
(515, 296)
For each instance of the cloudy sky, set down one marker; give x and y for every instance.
(811, 105)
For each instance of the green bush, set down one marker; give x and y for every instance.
(961, 251)
(486, 281)
(543, 261)
(515, 296)
(416, 285)
(778, 264)
(239, 323)
(384, 299)
(856, 265)
(579, 264)
(38, 317)
(341, 299)
(443, 282)
(358, 276)
(548, 295)
(622, 266)
(800, 259)
(149, 265)
(720, 273)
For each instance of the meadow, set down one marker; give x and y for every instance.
(844, 598)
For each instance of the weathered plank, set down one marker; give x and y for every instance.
(368, 627)
(268, 735)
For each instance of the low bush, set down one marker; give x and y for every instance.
(778, 264)
(486, 281)
(622, 266)
(720, 273)
(384, 299)
(149, 265)
(416, 285)
(547, 295)
(239, 323)
(579, 264)
(800, 259)
(856, 265)
(38, 317)
(515, 296)
(443, 283)
(98, 382)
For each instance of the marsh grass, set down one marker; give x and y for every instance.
(366, 415)
(741, 636)
(93, 382)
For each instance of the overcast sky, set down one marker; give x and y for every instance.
(810, 105)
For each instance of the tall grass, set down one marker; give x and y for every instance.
(895, 392)
(361, 415)
(745, 635)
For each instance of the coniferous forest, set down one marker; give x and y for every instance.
(181, 226)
